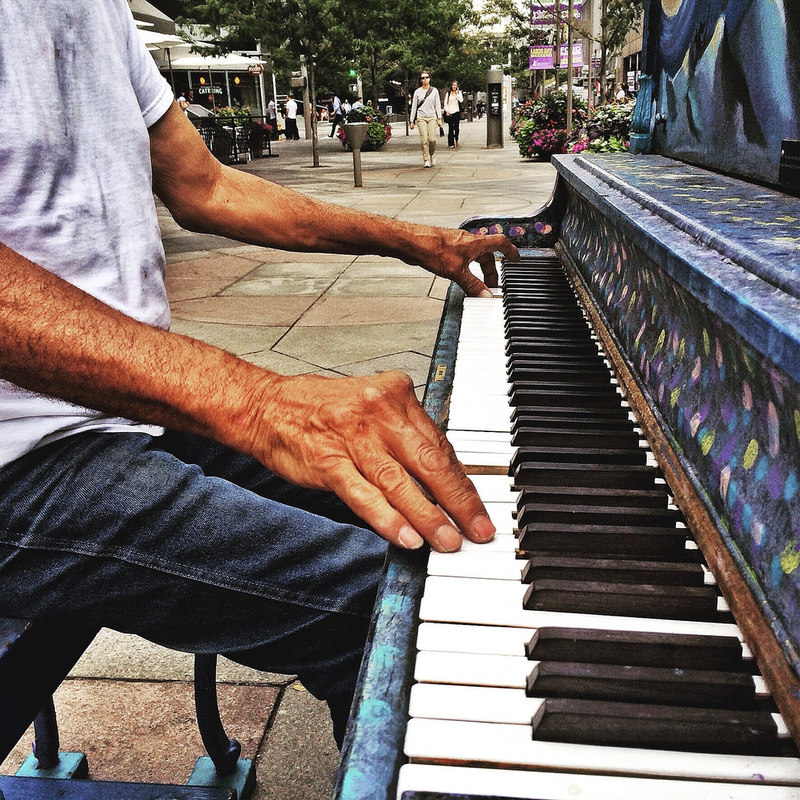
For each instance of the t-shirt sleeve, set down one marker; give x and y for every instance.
(152, 90)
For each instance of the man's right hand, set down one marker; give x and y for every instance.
(369, 441)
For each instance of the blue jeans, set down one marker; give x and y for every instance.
(193, 546)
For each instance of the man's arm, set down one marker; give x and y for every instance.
(367, 439)
(204, 195)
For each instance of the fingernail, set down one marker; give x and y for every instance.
(409, 538)
(447, 539)
(486, 293)
(483, 528)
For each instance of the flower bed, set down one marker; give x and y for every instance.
(539, 126)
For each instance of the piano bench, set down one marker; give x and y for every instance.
(35, 657)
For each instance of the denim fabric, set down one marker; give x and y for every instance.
(193, 546)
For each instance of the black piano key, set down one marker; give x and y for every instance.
(520, 415)
(638, 648)
(701, 730)
(579, 422)
(521, 347)
(598, 541)
(567, 495)
(579, 514)
(564, 396)
(614, 570)
(620, 456)
(623, 599)
(554, 436)
(590, 375)
(547, 312)
(417, 795)
(602, 476)
(570, 330)
(556, 360)
(695, 688)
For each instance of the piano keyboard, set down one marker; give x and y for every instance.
(585, 652)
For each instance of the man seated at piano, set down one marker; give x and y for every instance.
(152, 483)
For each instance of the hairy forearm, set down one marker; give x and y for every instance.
(58, 340)
(205, 196)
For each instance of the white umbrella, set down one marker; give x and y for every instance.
(231, 61)
(160, 40)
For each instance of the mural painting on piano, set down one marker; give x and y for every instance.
(734, 414)
(727, 74)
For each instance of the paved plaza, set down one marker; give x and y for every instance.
(128, 704)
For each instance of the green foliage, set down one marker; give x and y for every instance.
(237, 113)
(608, 131)
(621, 17)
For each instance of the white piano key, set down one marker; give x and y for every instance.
(500, 640)
(472, 669)
(491, 744)
(476, 703)
(547, 785)
(502, 543)
(480, 462)
(481, 441)
(494, 488)
(489, 640)
(494, 602)
(476, 564)
(465, 420)
(501, 514)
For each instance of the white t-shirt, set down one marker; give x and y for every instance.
(79, 89)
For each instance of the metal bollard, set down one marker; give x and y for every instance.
(354, 135)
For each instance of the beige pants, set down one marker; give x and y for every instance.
(428, 131)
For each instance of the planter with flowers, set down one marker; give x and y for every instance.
(539, 126)
(378, 133)
(608, 131)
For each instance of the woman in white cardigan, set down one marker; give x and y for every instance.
(452, 106)
(426, 114)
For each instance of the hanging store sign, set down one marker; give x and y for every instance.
(541, 56)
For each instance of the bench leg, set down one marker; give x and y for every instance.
(46, 761)
(222, 766)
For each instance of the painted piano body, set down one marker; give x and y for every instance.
(693, 276)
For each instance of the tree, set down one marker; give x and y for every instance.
(389, 51)
(618, 18)
(313, 31)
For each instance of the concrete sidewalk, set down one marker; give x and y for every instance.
(128, 704)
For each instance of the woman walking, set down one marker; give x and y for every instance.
(426, 113)
(453, 105)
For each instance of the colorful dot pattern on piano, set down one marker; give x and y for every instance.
(735, 416)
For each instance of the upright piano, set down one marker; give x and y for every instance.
(628, 407)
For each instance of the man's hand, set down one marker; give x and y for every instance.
(369, 441)
(461, 249)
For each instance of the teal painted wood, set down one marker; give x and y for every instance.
(373, 748)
